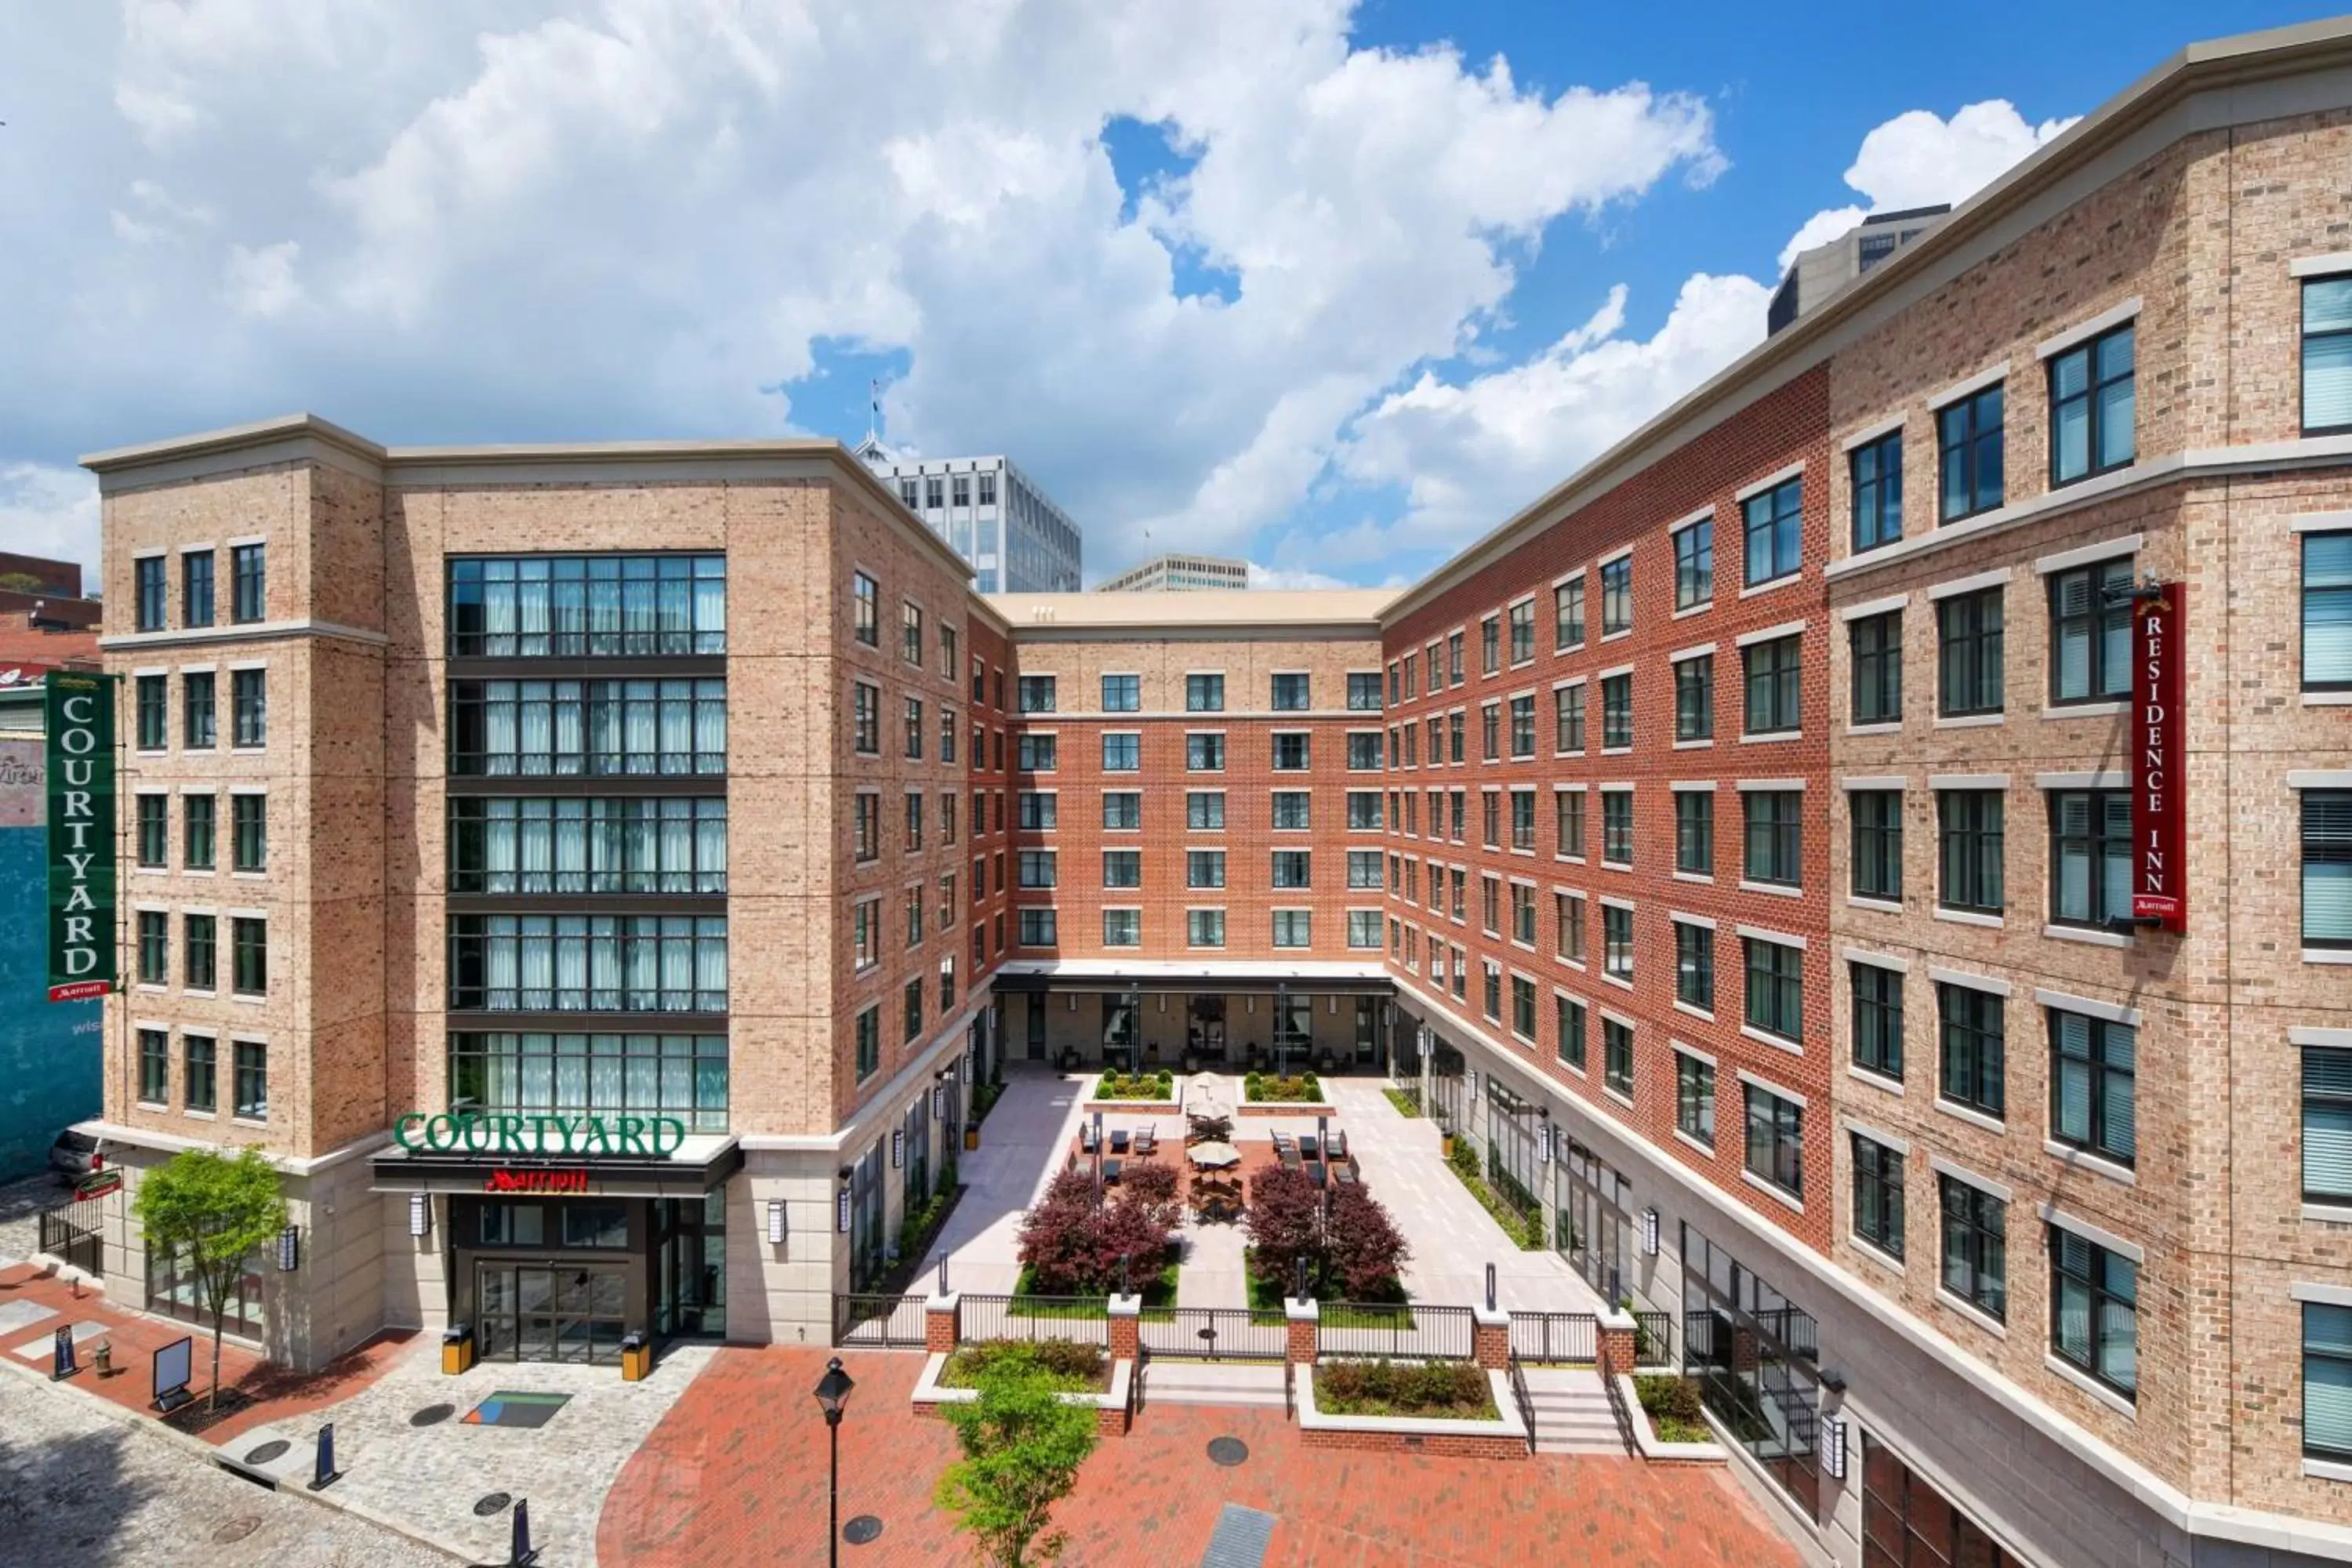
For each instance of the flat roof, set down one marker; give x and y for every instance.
(1259, 608)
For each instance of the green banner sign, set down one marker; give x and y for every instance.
(80, 761)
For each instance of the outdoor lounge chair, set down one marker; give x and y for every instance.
(1344, 1174)
(1307, 1146)
(1147, 1143)
(1281, 1142)
(1110, 1173)
(1319, 1172)
(1118, 1140)
(1087, 1137)
(1339, 1145)
(1290, 1158)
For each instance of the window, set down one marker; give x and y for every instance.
(1876, 642)
(914, 917)
(1617, 941)
(1204, 753)
(1616, 711)
(935, 492)
(1774, 831)
(947, 736)
(1456, 726)
(2092, 1085)
(1617, 597)
(150, 591)
(949, 658)
(1364, 810)
(570, 606)
(201, 964)
(1205, 810)
(1036, 694)
(1877, 843)
(2327, 868)
(1038, 928)
(1968, 446)
(1204, 928)
(251, 1088)
(1695, 1098)
(154, 830)
(2326, 354)
(1364, 747)
(1523, 914)
(1123, 753)
(914, 727)
(196, 825)
(2326, 1380)
(865, 719)
(1122, 810)
(2090, 882)
(1122, 867)
(1292, 869)
(1290, 751)
(1877, 1019)
(1877, 469)
(1567, 614)
(154, 943)
(1522, 819)
(1776, 1139)
(1877, 1196)
(196, 589)
(199, 1076)
(987, 489)
(914, 1010)
(2093, 1310)
(1774, 524)
(1617, 1056)
(1290, 694)
(2327, 605)
(910, 632)
(1969, 830)
(1695, 698)
(1038, 754)
(1364, 931)
(1290, 809)
(865, 613)
(1567, 916)
(1773, 684)
(1523, 631)
(1975, 1050)
(1364, 870)
(1454, 658)
(1490, 646)
(247, 586)
(1492, 996)
(1695, 965)
(1568, 718)
(866, 933)
(2327, 1123)
(914, 835)
(1776, 988)
(1292, 928)
(1617, 826)
(1490, 731)
(1122, 693)
(1523, 727)
(1122, 928)
(154, 1066)
(2091, 407)
(1204, 694)
(1695, 831)
(1694, 564)
(2089, 631)
(1569, 1019)
(154, 710)
(868, 826)
(249, 707)
(1204, 868)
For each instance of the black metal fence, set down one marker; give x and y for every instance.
(1215, 1333)
(1653, 1339)
(1414, 1330)
(891, 1323)
(1524, 1400)
(1085, 1319)
(73, 1232)
(1550, 1339)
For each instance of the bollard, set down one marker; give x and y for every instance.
(62, 1364)
(1490, 1287)
(323, 1473)
(522, 1553)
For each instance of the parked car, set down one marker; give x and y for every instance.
(74, 1154)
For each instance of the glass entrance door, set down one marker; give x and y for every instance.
(540, 1312)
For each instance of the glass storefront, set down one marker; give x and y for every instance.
(171, 1293)
(1906, 1523)
(1756, 1355)
(1594, 1219)
(565, 1278)
(1512, 1153)
(1446, 1069)
(868, 1247)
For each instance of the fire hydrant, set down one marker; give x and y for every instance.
(102, 1353)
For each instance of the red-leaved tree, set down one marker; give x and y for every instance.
(1285, 1224)
(1071, 1243)
(1153, 1184)
(1362, 1247)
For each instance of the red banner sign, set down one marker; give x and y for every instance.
(508, 1180)
(2160, 829)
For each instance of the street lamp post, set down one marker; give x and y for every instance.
(833, 1397)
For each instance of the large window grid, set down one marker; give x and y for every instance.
(606, 963)
(537, 729)
(534, 1073)
(570, 606)
(597, 846)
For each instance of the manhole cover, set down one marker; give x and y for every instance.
(1227, 1451)
(261, 1454)
(494, 1503)
(432, 1413)
(235, 1530)
(861, 1529)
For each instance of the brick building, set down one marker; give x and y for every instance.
(1762, 916)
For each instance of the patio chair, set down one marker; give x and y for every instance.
(1118, 1140)
(1339, 1145)
(1087, 1137)
(1110, 1173)
(1147, 1143)
(1344, 1174)
(1289, 1159)
(1281, 1142)
(1319, 1172)
(1307, 1146)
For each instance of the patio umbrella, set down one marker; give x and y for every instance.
(1216, 1156)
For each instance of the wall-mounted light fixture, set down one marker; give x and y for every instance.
(1649, 1233)
(938, 1101)
(290, 1249)
(775, 1222)
(897, 1147)
(841, 1203)
(420, 1214)
(1833, 1445)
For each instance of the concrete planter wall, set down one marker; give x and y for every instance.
(1505, 1437)
(1657, 1449)
(1109, 1406)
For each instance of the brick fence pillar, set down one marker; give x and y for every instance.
(1125, 1314)
(942, 1324)
(1490, 1337)
(1305, 1324)
(1616, 1351)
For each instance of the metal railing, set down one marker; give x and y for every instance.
(881, 1321)
(1653, 1339)
(1551, 1339)
(1617, 1407)
(1411, 1331)
(1524, 1400)
(1215, 1333)
(71, 1234)
(1135, 1384)
(1085, 1319)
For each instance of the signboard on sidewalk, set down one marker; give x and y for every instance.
(80, 765)
(2159, 835)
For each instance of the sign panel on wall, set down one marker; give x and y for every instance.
(80, 765)
(2159, 838)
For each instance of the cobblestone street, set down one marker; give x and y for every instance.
(79, 1486)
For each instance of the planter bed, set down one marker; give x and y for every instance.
(1288, 1108)
(1109, 1404)
(1078, 1368)
(1694, 1441)
(1133, 1108)
(1159, 1299)
(1501, 1435)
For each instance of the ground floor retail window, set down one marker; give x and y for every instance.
(173, 1292)
(1755, 1354)
(1906, 1523)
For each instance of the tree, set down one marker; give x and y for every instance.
(1153, 1184)
(1072, 1240)
(1362, 1245)
(1284, 1221)
(20, 582)
(1022, 1450)
(212, 1214)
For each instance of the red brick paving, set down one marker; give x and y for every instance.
(736, 1473)
(278, 1394)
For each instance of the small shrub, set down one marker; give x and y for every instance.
(1384, 1388)
(1406, 1101)
(1675, 1409)
(1070, 1364)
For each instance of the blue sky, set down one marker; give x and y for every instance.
(1277, 278)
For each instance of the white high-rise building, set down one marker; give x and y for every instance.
(1179, 573)
(1016, 539)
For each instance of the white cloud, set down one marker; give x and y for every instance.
(261, 282)
(52, 511)
(1293, 577)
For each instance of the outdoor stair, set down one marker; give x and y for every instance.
(1572, 1414)
(1167, 1382)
